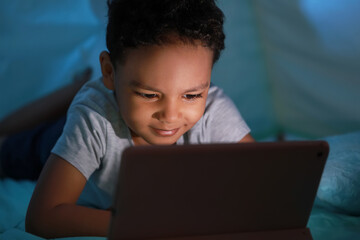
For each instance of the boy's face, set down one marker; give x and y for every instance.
(161, 90)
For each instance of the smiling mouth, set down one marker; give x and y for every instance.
(165, 133)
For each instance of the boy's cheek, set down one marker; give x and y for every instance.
(139, 113)
(194, 115)
(129, 103)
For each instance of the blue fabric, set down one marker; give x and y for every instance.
(338, 191)
(14, 199)
(43, 44)
(325, 224)
(340, 183)
(15, 195)
(23, 155)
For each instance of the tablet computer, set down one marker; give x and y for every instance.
(260, 190)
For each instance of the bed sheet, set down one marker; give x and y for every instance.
(15, 196)
(14, 199)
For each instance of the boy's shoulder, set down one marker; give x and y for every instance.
(94, 108)
(95, 98)
(216, 98)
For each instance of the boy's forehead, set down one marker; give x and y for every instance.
(154, 55)
(174, 43)
(185, 66)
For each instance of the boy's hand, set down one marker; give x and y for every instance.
(53, 211)
(247, 138)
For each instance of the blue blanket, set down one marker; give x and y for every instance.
(14, 199)
(15, 196)
(334, 216)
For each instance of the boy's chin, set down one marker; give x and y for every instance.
(153, 140)
(161, 141)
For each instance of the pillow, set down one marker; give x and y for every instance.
(340, 183)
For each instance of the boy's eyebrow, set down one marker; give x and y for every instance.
(198, 88)
(135, 83)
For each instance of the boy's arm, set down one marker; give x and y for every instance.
(53, 211)
(247, 138)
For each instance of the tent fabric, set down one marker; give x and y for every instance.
(241, 70)
(312, 51)
(289, 66)
(43, 44)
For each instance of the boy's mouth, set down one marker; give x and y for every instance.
(165, 132)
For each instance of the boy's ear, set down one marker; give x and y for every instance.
(107, 70)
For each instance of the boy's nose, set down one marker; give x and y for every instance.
(170, 112)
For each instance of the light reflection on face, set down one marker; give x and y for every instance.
(161, 90)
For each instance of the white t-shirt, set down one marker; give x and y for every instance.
(95, 136)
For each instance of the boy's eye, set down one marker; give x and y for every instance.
(192, 96)
(146, 95)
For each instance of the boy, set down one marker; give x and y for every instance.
(155, 89)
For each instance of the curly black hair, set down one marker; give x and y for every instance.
(135, 23)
